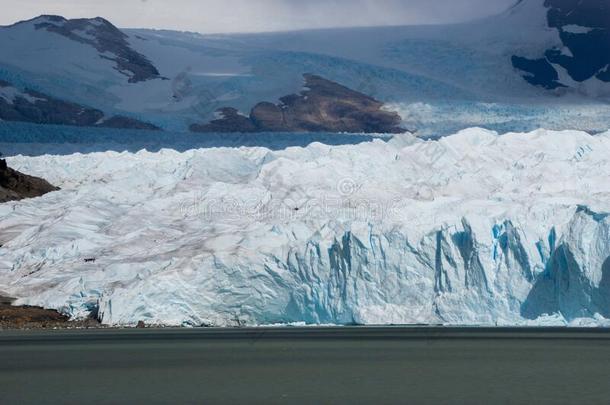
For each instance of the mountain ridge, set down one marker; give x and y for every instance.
(438, 78)
(103, 36)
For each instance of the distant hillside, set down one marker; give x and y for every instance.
(541, 63)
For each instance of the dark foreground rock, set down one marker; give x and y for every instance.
(323, 106)
(17, 186)
(26, 317)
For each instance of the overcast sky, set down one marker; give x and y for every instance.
(215, 16)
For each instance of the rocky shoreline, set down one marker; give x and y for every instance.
(28, 317)
(322, 106)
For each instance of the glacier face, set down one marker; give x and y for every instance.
(475, 228)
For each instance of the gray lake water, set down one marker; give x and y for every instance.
(306, 365)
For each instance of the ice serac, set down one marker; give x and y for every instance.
(385, 232)
(576, 281)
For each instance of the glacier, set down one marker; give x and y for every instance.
(439, 78)
(475, 228)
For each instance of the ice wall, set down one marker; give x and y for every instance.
(475, 228)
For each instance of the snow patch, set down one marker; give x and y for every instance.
(576, 29)
(10, 94)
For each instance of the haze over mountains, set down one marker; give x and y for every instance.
(529, 66)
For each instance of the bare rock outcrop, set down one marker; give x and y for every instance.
(35, 107)
(17, 186)
(231, 121)
(323, 106)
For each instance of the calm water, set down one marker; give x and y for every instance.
(18, 138)
(321, 365)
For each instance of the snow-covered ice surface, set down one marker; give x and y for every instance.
(475, 228)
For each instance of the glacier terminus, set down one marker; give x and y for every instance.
(475, 228)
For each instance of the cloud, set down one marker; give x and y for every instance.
(211, 16)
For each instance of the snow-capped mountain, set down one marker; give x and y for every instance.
(475, 228)
(104, 37)
(438, 78)
(582, 57)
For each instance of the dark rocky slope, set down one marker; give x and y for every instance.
(17, 186)
(323, 106)
(107, 39)
(32, 106)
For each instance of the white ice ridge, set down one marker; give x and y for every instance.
(475, 228)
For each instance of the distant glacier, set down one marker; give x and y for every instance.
(511, 72)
